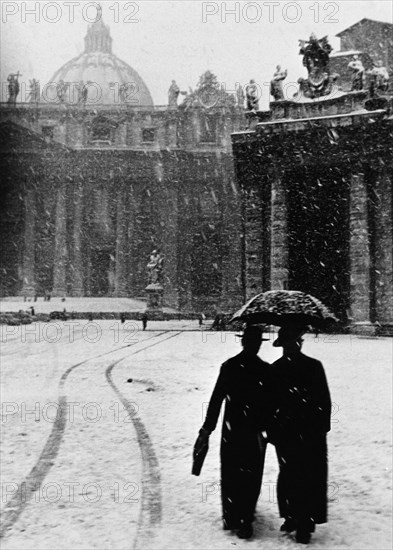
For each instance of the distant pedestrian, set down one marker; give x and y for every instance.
(201, 318)
(122, 318)
(218, 322)
(32, 310)
(144, 321)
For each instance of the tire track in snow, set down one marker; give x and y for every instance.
(151, 506)
(32, 483)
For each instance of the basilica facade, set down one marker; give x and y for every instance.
(94, 177)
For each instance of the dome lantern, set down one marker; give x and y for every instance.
(98, 38)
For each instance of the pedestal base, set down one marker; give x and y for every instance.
(28, 291)
(58, 293)
(154, 298)
(77, 292)
(363, 328)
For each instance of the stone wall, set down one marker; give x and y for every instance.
(100, 208)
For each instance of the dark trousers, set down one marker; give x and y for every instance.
(241, 479)
(302, 481)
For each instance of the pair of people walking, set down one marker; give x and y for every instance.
(287, 404)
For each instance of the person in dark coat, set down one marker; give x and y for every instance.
(300, 424)
(243, 383)
(144, 321)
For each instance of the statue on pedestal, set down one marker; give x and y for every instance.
(356, 66)
(252, 96)
(13, 87)
(155, 268)
(276, 83)
(316, 59)
(154, 287)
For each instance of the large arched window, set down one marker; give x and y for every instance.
(208, 129)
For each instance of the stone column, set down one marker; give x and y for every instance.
(279, 235)
(383, 253)
(359, 257)
(168, 241)
(77, 265)
(185, 243)
(253, 242)
(121, 246)
(28, 288)
(231, 261)
(60, 256)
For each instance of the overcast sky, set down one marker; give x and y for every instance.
(180, 39)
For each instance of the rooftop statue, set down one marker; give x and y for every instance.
(62, 88)
(378, 79)
(173, 94)
(252, 96)
(357, 69)
(35, 92)
(276, 89)
(13, 87)
(240, 95)
(82, 91)
(316, 59)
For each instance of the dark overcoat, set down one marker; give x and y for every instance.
(300, 424)
(243, 383)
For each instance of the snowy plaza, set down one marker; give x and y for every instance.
(99, 420)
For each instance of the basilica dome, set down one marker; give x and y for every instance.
(97, 76)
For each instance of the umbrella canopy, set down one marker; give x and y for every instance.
(285, 307)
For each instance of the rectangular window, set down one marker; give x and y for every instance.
(130, 137)
(148, 135)
(47, 132)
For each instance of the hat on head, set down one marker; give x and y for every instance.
(253, 331)
(288, 334)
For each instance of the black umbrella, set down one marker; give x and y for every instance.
(285, 307)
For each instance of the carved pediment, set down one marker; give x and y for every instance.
(208, 94)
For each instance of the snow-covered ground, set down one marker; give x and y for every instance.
(97, 477)
(94, 305)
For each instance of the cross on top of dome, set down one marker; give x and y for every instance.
(98, 37)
